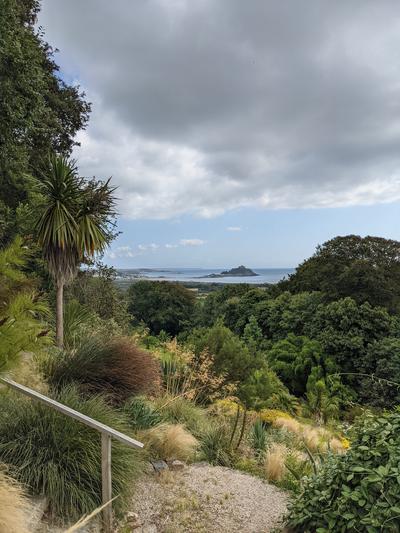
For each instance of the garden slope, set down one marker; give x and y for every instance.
(205, 498)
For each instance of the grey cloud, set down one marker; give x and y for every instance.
(202, 106)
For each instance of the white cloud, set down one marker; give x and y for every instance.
(191, 242)
(171, 245)
(121, 251)
(233, 228)
(151, 246)
(202, 107)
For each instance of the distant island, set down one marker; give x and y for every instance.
(239, 272)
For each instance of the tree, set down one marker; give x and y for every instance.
(295, 359)
(381, 386)
(366, 269)
(220, 303)
(94, 288)
(39, 112)
(73, 224)
(161, 305)
(345, 329)
(288, 313)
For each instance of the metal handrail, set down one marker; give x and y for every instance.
(106, 434)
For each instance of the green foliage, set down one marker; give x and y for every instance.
(263, 388)
(60, 457)
(81, 322)
(115, 367)
(179, 410)
(76, 317)
(382, 387)
(74, 221)
(220, 303)
(216, 446)
(346, 329)
(95, 289)
(141, 413)
(258, 438)
(288, 313)
(295, 358)
(39, 112)
(323, 396)
(231, 356)
(161, 305)
(252, 335)
(358, 491)
(21, 310)
(365, 269)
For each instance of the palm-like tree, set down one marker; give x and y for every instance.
(74, 224)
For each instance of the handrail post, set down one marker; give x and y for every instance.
(106, 481)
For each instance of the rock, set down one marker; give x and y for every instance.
(177, 465)
(133, 520)
(148, 468)
(159, 466)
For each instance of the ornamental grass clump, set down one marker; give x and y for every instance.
(59, 457)
(116, 367)
(170, 441)
(14, 506)
(357, 491)
(179, 410)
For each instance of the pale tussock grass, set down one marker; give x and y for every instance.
(171, 441)
(14, 507)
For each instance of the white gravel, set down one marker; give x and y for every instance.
(204, 498)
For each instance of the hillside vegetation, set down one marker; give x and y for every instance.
(296, 384)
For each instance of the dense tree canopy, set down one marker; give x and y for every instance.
(39, 112)
(161, 306)
(367, 269)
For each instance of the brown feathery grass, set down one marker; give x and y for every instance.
(274, 463)
(117, 368)
(14, 507)
(135, 370)
(171, 441)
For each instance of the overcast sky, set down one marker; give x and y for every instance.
(237, 132)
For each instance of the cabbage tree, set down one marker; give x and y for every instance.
(73, 224)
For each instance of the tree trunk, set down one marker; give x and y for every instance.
(60, 314)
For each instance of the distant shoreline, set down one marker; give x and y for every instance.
(200, 279)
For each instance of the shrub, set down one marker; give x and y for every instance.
(14, 507)
(60, 457)
(189, 375)
(258, 438)
(141, 413)
(216, 446)
(117, 368)
(161, 305)
(179, 410)
(358, 491)
(171, 441)
(269, 416)
(226, 407)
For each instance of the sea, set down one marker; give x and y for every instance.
(199, 275)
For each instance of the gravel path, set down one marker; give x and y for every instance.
(204, 498)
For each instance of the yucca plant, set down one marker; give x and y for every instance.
(73, 225)
(258, 438)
